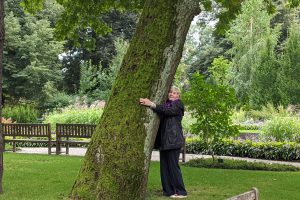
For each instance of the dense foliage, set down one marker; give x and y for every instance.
(211, 106)
(76, 114)
(289, 71)
(261, 150)
(22, 113)
(270, 61)
(38, 68)
(240, 164)
(31, 57)
(259, 49)
(100, 50)
(253, 67)
(96, 81)
(282, 129)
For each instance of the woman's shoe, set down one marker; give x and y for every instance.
(178, 196)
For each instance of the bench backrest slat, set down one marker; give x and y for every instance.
(75, 130)
(26, 130)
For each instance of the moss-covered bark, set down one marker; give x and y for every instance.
(2, 34)
(117, 161)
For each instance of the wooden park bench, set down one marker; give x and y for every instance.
(250, 195)
(21, 132)
(70, 133)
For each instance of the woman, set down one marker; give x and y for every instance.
(169, 141)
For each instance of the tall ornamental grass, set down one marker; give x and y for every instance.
(282, 129)
(21, 113)
(74, 115)
(269, 111)
(80, 116)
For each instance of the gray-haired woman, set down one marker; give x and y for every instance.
(169, 141)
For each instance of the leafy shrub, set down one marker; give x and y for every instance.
(79, 113)
(211, 106)
(58, 100)
(260, 150)
(21, 113)
(254, 119)
(269, 111)
(95, 81)
(282, 129)
(187, 122)
(238, 116)
(239, 164)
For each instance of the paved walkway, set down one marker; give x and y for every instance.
(155, 155)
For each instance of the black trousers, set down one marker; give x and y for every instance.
(170, 173)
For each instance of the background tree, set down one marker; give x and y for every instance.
(202, 44)
(264, 84)
(99, 49)
(251, 35)
(51, 11)
(31, 54)
(284, 17)
(211, 105)
(96, 83)
(219, 71)
(289, 74)
(67, 73)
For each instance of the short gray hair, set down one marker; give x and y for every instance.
(176, 89)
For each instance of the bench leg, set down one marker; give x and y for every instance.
(49, 147)
(183, 154)
(14, 147)
(67, 148)
(57, 146)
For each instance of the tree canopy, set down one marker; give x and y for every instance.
(80, 15)
(31, 53)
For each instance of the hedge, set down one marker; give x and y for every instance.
(239, 164)
(286, 151)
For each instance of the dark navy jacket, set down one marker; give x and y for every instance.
(169, 135)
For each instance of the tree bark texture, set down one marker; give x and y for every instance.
(117, 161)
(2, 34)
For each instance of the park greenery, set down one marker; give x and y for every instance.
(52, 178)
(239, 69)
(262, 67)
(256, 60)
(287, 151)
(239, 164)
(211, 105)
(50, 74)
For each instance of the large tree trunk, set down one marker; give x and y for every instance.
(2, 33)
(117, 161)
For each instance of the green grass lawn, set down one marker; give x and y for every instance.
(43, 177)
